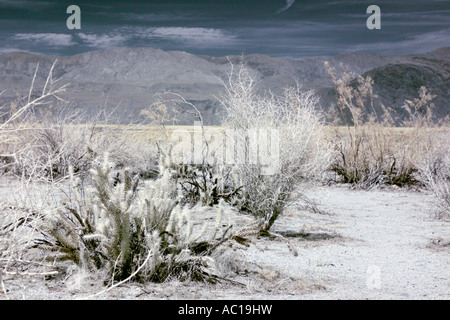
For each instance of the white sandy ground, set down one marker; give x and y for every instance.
(379, 244)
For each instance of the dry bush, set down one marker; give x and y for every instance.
(41, 139)
(21, 208)
(45, 148)
(434, 170)
(432, 158)
(203, 180)
(129, 229)
(36, 141)
(295, 127)
(207, 184)
(17, 128)
(372, 151)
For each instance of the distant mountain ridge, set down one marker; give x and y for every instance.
(128, 79)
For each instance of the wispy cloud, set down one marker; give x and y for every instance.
(288, 4)
(190, 36)
(10, 50)
(50, 39)
(102, 41)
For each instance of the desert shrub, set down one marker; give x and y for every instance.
(371, 151)
(205, 179)
(432, 159)
(37, 140)
(434, 169)
(127, 228)
(284, 132)
(16, 128)
(207, 184)
(42, 138)
(46, 148)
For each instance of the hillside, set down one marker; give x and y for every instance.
(129, 79)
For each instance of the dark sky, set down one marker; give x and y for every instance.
(292, 28)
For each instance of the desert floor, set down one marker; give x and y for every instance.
(349, 244)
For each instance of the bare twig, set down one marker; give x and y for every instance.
(38, 101)
(149, 255)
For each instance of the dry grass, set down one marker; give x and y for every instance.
(370, 151)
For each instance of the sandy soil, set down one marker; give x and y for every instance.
(378, 244)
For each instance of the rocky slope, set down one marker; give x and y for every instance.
(129, 79)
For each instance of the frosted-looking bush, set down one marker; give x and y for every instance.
(303, 153)
(434, 170)
(127, 228)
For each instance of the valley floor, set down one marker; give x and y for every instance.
(350, 244)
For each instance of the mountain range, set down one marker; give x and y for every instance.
(129, 79)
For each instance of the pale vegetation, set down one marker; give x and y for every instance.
(122, 206)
